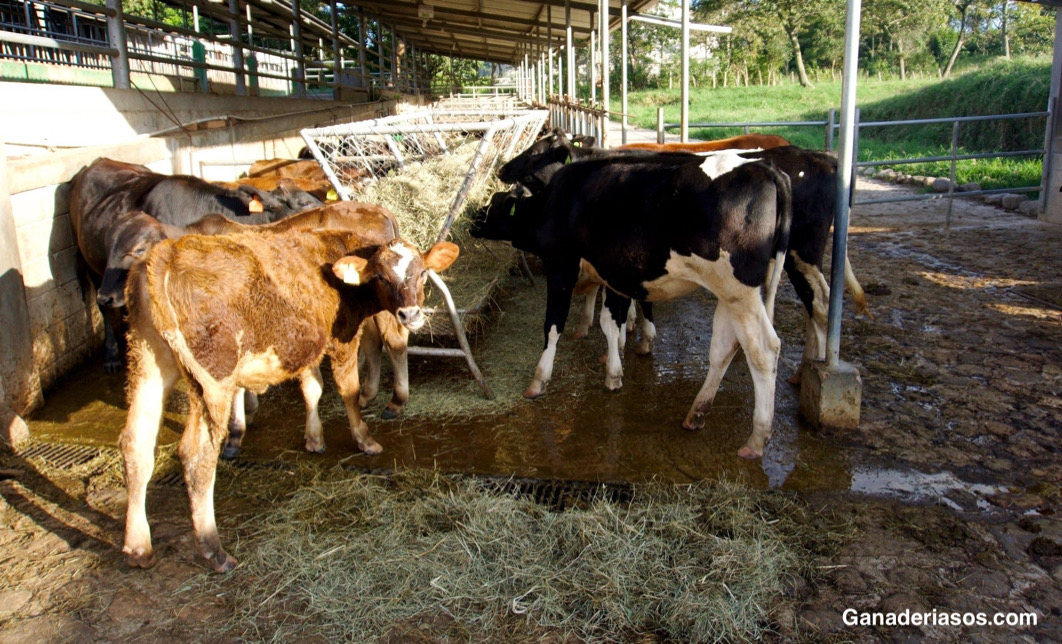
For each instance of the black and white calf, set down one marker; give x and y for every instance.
(814, 182)
(656, 231)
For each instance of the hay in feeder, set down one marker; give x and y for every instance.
(359, 557)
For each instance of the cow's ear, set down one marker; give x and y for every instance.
(519, 191)
(441, 256)
(352, 270)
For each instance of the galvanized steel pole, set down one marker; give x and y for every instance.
(685, 116)
(604, 72)
(623, 68)
(569, 49)
(237, 50)
(116, 36)
(845, 156)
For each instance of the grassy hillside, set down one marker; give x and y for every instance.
(998, 88)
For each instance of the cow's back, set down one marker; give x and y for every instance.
(372, 222)
(249, 296)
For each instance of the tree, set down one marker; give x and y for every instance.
(963, 7)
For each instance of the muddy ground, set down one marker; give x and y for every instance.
(952, 481)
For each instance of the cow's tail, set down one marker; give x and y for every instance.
(784, 219)
(859, 298)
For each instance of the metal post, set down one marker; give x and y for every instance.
(623, 69)
(394, 58)
(845, 154)
(116, 36)
(604, 73)
(659, 125)
(237, 50)
(685, 117)
(300, 52)
(337, 55)
(831, 119)
(951, 183)
(380, 54)
(549, 49)
(570, 48)
(362, 40)
(592, 60)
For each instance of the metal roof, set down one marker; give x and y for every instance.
(490, 30)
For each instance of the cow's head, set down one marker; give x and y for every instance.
(128, 241)
(285, 200)
(511, 216)
(534, 166)
(396, 272)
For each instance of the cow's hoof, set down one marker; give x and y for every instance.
(315, 447)
(533, 392)
(370, 446)
(230, 452)
(693, 422)
(390, 412)
(141, 558)
(795, 378)
(614, 383)
(222, 562)
(580, 334)
(750, 453)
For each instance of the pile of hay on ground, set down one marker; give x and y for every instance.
(358, 557)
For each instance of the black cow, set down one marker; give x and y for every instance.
(105, 192)
(654, 231)
(813, 176)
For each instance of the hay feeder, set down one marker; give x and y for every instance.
(366, 151)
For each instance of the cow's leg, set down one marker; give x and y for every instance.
(396, 343)
(762, 347)
(615, 310)
(152, 375)
(632, 317)
(723, 348)
(209, 410)
(369, 354)
(587, 318)
(345, 371)
(237, 425)
(814, 294)
(312, 384)
(559, 285)
(112, 349)
(645, 344)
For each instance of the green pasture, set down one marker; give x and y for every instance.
(1007, 87)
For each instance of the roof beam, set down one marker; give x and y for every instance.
(480, 16)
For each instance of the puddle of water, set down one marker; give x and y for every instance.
(912, 486)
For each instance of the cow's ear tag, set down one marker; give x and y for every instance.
(512, 211)
(577, 144)
(568, 160)
(350, 269)
(255, 205)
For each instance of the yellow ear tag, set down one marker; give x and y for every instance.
(577, 144)
(332, 195)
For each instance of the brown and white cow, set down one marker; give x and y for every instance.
(136, 233)
(250, 311)
(742, 142)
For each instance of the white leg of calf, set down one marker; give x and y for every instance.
(614, 336)
(722, 350)
(398, 352)
(645, 344)
(632, 318)
(312, 384)
(250, 407)
(586, 319)
(137, 443)
(208, 413)
(762, 347)
(544, 370)
(369, 354)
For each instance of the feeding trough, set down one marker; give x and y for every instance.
(358, 157)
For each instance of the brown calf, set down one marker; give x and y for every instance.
(316, 187)
(251, 311)
(743, 142)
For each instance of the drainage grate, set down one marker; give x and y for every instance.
(62, 456)
(560, 495)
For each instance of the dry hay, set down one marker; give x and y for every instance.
(420, 196)
(358, 557)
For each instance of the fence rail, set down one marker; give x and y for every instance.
(830, 124)
(222, 46)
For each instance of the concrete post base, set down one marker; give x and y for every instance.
(830, 397)
(13, 430)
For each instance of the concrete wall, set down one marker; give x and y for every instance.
(49, 323)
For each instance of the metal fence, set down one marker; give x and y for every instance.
(954, 156)
(219, 44)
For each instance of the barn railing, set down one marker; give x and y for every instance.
(578, 118)
(219, 43)
(953, 157)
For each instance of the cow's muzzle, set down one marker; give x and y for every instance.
(411, 317)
